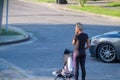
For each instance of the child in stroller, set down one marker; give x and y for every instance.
(67, 71)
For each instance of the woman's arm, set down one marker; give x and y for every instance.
(73, 42)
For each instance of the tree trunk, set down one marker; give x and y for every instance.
(1, 11)
(81, 2)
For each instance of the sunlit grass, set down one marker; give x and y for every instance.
(114, 4)
(97, 9)
(45, 0)
(94, 9)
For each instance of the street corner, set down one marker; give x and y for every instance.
(24, 36)
(12, 39)
(8, 71)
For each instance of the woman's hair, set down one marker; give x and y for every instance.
(79, 25)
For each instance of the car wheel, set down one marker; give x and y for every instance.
(107, 53)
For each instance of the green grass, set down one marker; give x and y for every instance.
(97, 10)
(114, 4)
(48, 1)
(94, 9)
(9, 33)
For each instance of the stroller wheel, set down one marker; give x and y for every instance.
(64, 79)
(59, 78)
(56, 78)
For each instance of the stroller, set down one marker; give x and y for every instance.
(67, 71)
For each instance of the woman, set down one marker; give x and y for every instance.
(81, 43)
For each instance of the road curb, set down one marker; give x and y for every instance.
(63, 7)
(17, 38)
(85, 12)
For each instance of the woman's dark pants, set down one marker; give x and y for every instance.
(79, 58)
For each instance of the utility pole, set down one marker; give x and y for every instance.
(1, 11)
(7, 6)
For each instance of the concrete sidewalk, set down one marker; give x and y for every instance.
(8, 71)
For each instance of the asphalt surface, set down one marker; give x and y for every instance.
(39, 39)
(8, 70)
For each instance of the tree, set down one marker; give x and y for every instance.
(82, 2)
(1, 11)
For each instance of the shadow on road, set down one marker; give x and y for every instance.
(90, 29)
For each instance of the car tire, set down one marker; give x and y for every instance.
(107, 53)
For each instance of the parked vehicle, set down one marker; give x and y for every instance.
(106, 46)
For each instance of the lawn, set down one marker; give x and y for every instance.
(114, 4)
(94, 9)
(97, 10)
(9, 33)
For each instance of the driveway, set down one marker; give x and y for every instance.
(52, 31)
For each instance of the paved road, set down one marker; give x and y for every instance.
(52, 31)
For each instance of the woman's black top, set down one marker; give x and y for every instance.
(80, 41)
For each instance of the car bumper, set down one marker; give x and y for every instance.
(92, 51)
